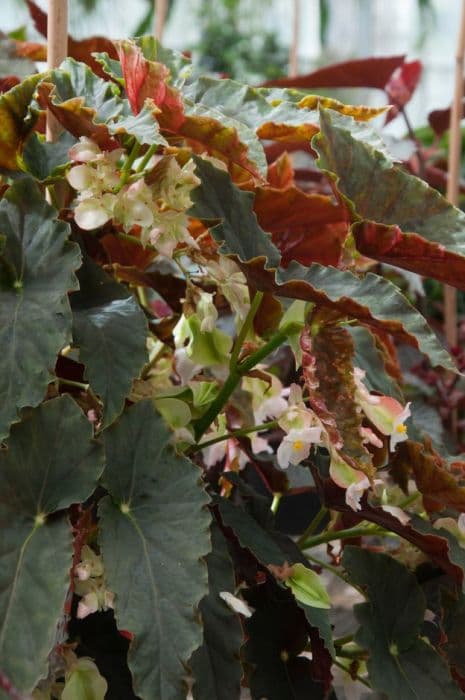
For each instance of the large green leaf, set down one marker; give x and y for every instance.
(369, 358)
(154, 530)
(215, 665)
(51, 461)
(45, 159)
(37, 266)
(421, 231)
(110, 329)
(401, 664)
(144, 126)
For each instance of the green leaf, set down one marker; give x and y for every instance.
(422, 231)
(45, 160)
(75, 79)
(37, 266)
(111, 330)
(144, 126)
(215, 665)
(50, 462)
(84, 682)
(153, 534)
(307, 587)
(401, 664)
(369, 358)
(229, 212)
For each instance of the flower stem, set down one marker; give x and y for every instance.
(256, 301)
(235, 375)
(275, 502)
(312, 526)
(126, 169)
(356, 676)
(349, 533)
(235, 433)
(72, 382)
(344, 640)
(148, 154)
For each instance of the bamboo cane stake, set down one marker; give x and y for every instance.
(161, 11)
(57, 49)
(453, 168)
(294, 47)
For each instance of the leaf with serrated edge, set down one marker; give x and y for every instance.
(110, 329)
(51, 461)
(154, 530)
(215, 665)
(37, 265)
(400, 664)
(13, 110)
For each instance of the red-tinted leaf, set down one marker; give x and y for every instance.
(281, 172)
(305, 227)
(8, 82)
(126, 252)
(364, 72)
(439, 487)
(402, 85)
(439, 119)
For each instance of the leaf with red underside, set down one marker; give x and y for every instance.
(80, 50)
(333, 350)
(439, 487)
(281, 172)
(363, 72)
(421, 231)
(304, 227)
(439, 119)
(126, 252)
(402, 85)
(149, 79)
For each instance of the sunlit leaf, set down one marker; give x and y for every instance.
(13, 125)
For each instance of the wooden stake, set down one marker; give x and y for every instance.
(453, 167)
(294, 47)
(161, 11)
(57, 50)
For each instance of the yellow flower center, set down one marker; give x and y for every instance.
(298, 444)
(401, 428)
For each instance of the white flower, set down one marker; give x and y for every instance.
(85, 150)
(398, 513)
(355, 491)
(135, 206)
(399, 429)
(206, 312)
(296, 445)
(94, 212)
(236, 604)
(87, 605)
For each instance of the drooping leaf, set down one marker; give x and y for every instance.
(43, 159)
(220, 204)
(50, 462)
(84, 682)
(110, 330)
(371, 72)
(305, 227)
(37, 266)
(153, 534)
(215, 665)
(438, 486)
(401, 664)
(401, 86)
(13, 125)
(400, 220)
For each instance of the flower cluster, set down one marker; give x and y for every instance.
(157, 211)
(89, 583)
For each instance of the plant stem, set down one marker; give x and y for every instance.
(72, 382)
(275, 502)
(148, 154)
(344, 640)
(235, 433)
(312, 526)
(256, 301)
(10, 690)
(126, 169)
(235, 375)
(349, 533)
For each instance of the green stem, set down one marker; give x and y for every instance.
(235, 375)
(357, 677)
(333, 569)
(126, 169)
(349, 533)
(343, 640)
(256, 301)
(148, 154)
(275, 502)
(234, 433)
(409, 500)
(71, 382)
(312, 526)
